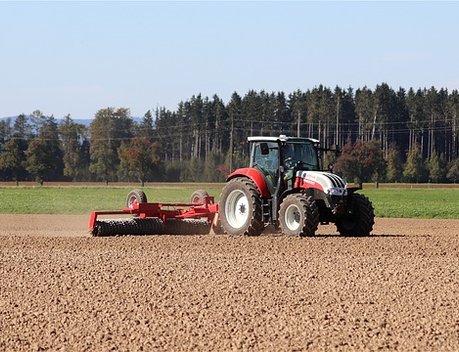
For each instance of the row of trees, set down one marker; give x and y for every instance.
(428, 118)
(387, 135)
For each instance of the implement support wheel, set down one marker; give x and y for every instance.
(197, 197)
(135, 196)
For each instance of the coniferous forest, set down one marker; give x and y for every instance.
(385, 135)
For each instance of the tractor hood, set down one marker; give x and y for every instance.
(327, 182)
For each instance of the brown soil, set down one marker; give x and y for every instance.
(64, 290)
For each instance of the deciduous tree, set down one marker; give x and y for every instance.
(44, 155)
(361, 162)
(108, 129)
(139, 159)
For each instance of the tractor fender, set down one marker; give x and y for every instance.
(256, 176)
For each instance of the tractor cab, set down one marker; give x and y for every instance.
(279, 158)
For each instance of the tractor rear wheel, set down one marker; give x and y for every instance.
(240, 208)
(360, 220)
(298, 215)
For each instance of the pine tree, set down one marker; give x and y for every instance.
(5, 131)
(366, 112)
(211, 166)
(297, 107)
(44, 154)
(434, 168)
(385, 100)
(235, 116)
(414, 170)
(12, 158)
(394, 165)
(453, 171)
(13, 152)
(75, 163)
(146, 127)
(22, 127)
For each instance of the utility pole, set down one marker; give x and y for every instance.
(298, 132)
(231, 144)
(337, 121)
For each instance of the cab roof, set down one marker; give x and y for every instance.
(281, 138)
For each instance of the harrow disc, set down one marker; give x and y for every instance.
(136, 226)
(186, 227)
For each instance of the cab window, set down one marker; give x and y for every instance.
(266, 156)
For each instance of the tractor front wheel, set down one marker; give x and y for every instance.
(240, 208)
(360, 219)
(298, 215)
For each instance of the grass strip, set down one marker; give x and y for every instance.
(388, 202)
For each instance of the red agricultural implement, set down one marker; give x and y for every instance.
(284, 186)
(195, 217)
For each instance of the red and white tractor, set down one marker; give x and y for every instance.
(284, 187)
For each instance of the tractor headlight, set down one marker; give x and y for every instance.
(337, 192)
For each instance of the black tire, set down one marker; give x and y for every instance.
(360, 220)
(186, 227)
(298, 215)
(135, 196)
(197, 197)
(240, 208)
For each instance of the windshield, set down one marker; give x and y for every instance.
(301, 151)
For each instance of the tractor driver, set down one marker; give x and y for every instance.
(289, 161)
(293, 158)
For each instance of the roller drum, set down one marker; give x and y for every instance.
(186, 227)
(135, 227)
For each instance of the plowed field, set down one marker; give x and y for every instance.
(60, 289)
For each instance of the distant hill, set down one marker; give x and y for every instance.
(83, 121)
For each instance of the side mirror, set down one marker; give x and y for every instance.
(264, 148)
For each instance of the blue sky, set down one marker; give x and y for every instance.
(77, 57)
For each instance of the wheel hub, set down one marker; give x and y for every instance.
(131, 202)
(236, 209)
(292, 217)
